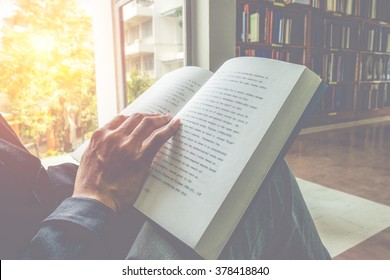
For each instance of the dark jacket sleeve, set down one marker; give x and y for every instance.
(78, 229)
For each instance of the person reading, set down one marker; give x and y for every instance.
(98, 221)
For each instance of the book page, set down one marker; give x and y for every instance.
(166, 96)
(170, 93)
(222, 126)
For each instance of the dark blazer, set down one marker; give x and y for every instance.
(28, 192)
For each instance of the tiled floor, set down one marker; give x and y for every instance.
(344, 175)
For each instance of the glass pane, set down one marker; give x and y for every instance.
(153, 42)
(47, 77)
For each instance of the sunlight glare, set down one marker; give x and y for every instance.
(42, 42)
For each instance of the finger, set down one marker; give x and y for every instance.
(154, 144)
(146, 127)
(99, 133)
(115, 122)
(132, 122)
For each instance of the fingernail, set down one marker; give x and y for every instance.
(177, 122)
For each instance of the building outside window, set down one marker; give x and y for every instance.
(152, 41)
(131, 35)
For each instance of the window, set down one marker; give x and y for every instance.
(201, 34)
(147, 29)
(47, 81)
(131, 34)
(151, 41)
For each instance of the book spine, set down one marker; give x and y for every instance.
(243, 27)
(254, 27)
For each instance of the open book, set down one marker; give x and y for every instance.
(235, 124)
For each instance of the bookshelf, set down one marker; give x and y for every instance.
(346, 42)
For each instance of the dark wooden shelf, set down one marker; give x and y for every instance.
(342, 31)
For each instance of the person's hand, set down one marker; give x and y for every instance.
(118, 158)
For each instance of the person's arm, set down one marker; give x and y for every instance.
(77, 229)
(109, 179)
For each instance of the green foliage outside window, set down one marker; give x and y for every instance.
(137, 84)
(48, 72)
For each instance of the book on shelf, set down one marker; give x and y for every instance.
(245, 23)
(374, 96)
(374, 9)
(236, 124)
(340, 67)
(316, 4)
(376, 38)
(349, 5)
(340, 35)
(375, 68)
(260, 23)
(370, 40)
(378, 69)
(282, 29)
(370, 9)
(303, 2)
(338, 98)
(387, 68)
(255, 27)
(368, 68)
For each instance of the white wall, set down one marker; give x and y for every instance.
(222, 31)
(105, 61)
(213, 29)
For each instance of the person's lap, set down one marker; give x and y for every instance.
(277, 225)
